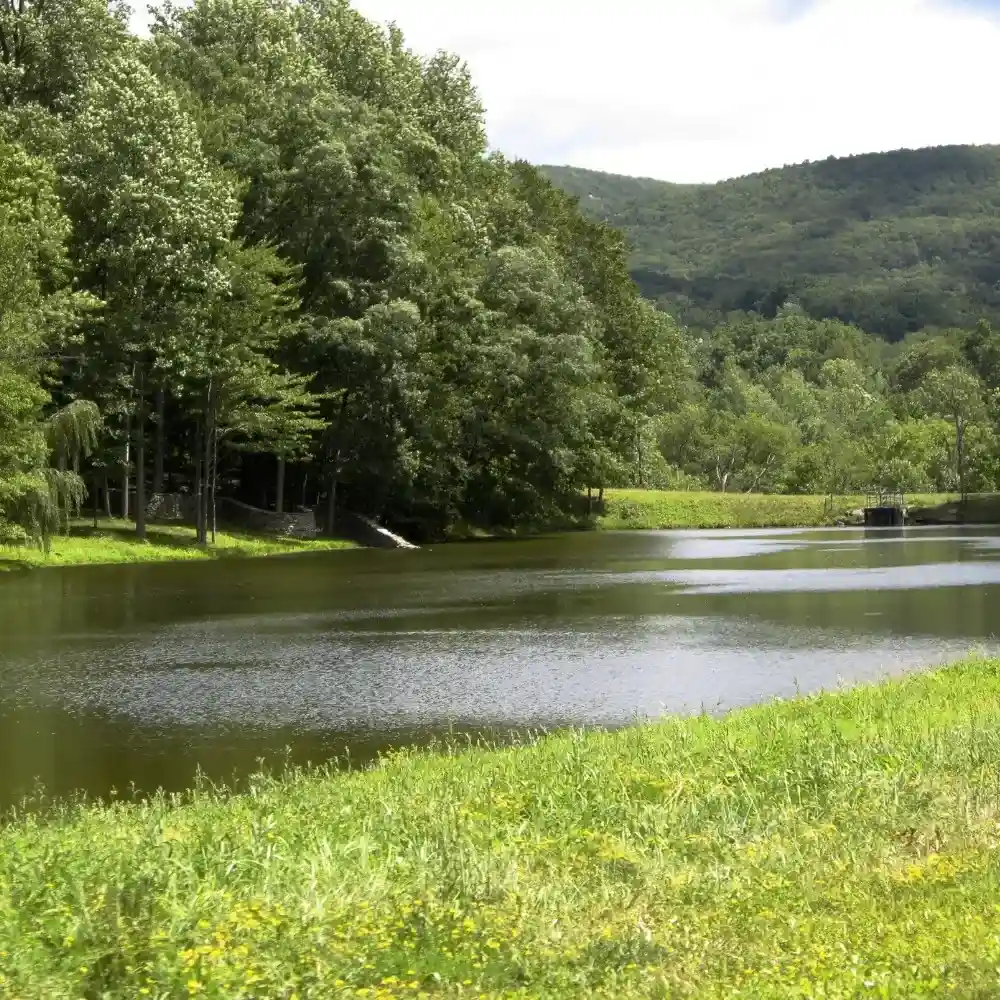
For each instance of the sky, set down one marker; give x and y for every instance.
(702, 90)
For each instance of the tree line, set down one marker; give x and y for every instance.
(267, 250)
(795, 404)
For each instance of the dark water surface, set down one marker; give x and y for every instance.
(112, 677)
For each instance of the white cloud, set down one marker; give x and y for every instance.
(699, 90)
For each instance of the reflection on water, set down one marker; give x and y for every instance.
(112, 676)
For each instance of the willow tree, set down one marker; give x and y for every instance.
(37, 310)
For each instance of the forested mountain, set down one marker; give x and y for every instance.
(892, 242)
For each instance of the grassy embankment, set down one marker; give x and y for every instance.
(843, 845)
(656, 509)
(115, 542)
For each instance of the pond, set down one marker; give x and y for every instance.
(137, 677)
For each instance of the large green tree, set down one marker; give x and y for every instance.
(956, 395)
(150, 218)
(51, 49)
(433, 278)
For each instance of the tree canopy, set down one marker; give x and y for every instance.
(303, 278)
(38, 312)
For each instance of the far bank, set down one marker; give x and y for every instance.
(660, 510)
(113, 541)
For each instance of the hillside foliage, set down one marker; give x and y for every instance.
(892, 242)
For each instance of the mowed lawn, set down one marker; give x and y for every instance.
(114, 541)
(842, 845)
(658, 509)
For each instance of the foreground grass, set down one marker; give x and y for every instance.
(115, 542)
(837, 846)
(657, 509)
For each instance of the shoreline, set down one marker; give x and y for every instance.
(113, 543)
(623, 510)
(661, 510)
(846, 840)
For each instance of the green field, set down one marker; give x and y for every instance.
(656, 509)
(115, 542)
(843, 845)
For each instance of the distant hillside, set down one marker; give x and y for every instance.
(890, 241)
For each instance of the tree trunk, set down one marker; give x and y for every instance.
(159, 442)
(590, 500)
(107, 497)
(199, 479)
(95, 483)
(765, 468)
(207, 444)
(331, 509)
(639, 465)
(960, 455)
(126, 477)
(140, 472)
(279, 501)
(331, 506)
(215, 478)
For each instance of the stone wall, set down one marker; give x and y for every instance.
(172, 508)
(365, 531)
(300, 524)
(182, 508)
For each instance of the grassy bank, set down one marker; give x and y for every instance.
(838, 846)
(656, 509)
(115, 542)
